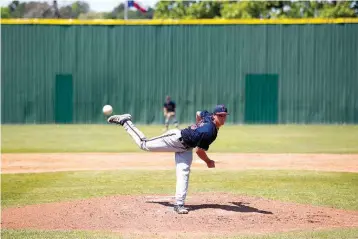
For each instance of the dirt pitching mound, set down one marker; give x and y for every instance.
(210, 214)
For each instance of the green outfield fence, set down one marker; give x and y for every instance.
(265, 71)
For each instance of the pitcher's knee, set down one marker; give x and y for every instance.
(185, 171)
(143, 145)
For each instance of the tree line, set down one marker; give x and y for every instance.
(188, 10)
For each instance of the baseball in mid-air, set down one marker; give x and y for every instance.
(107, 109)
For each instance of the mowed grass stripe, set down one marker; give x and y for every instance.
(242, 139)
(339, 190)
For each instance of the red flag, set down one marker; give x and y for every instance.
(136, 5)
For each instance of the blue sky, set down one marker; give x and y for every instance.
(96, 5)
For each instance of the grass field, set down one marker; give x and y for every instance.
(338, 190)
(243, 139)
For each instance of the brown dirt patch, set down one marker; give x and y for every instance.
(24, 163)
(211, 214)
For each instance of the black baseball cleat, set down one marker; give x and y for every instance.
(119, 119)
(180, 209)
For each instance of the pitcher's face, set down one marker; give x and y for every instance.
(220, 119)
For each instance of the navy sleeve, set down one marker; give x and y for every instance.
(204, 113)
(203, 145)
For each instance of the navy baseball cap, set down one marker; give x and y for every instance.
(220, 110)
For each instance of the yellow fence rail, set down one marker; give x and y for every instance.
(177, 22)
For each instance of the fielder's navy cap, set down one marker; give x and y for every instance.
(220, 110)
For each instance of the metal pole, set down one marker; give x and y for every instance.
(125, 9)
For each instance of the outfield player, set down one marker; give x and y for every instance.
(169, 112)
(198, 136)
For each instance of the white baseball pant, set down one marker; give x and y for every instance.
(167, 142)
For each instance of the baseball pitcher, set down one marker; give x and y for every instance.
(198, 136)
